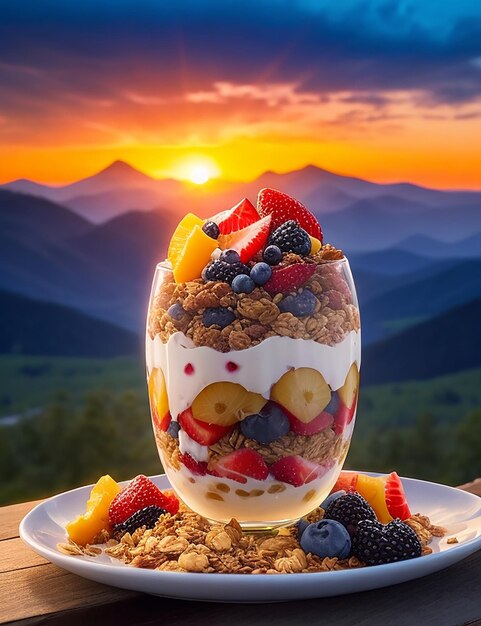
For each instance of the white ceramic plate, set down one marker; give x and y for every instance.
(459, 512)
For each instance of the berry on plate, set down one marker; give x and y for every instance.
(148, 517)
(300, 304)
(236, 218)
(226, 403)
(396, 500)
(200, 431)
(331, 497)
(297, 471)
(139, 493)
(239, 464)
(269, 424)
(303, 392)
(248, 241)
(290, 237)
(326, 538)
(349, 510)
(283, 208)
(290, 278)
(375, 544)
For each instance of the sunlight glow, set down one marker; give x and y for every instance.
(199, 174)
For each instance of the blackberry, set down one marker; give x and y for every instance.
(211, 229)
(290, 237)
(375, 544)
(349, 510)
(223, 271)
(147, 517)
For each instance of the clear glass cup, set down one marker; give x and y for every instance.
(297, 374)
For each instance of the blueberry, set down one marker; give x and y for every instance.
(300, 305)
(326, 538)
(211, 229)
(266, 426)
(243, 284)
(272, 255)
(333, 406)
(260, 273)
(173, 429)
(302, 524)
(334, 496)
(176, 311)
(230, 256)
(218, 315)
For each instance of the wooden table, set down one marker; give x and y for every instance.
(33, 591)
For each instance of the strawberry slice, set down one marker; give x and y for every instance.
(347, 481)
(283, 207)
(202, 432)
(290, 278)
(297, 471)
(240, 216)
(343, 417)
(320, 422)
(138, 494)
(396, 500)
(165, 421)
(247, 241)
(196, 467)
(239, 464)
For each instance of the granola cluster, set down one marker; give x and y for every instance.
(258, 315)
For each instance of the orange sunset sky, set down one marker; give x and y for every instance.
(384, 93)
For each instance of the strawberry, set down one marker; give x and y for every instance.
(322, 421)
(196, 467)
(138, 494)
(283, 208)
(286, 279)
(343, 417)
(247, 241)
(236, 218)
(239, 464)
(297, 471)
(165, 421)
(202, 432)
(347, 481)
(396, 501)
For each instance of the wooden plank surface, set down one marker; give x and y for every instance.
(11, 516)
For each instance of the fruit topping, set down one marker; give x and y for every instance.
(290, 278)
(396, 501)
(200, 431)
(260, 273)
(224, 271)
(243, 284)
(303, 392)
(326, 538)
(290, 237)
(236, 218)
(218, 316)
(283, 208)
(139, 493)
(297, 471)
(173, 429)
(372, 488)
(96, 517)
(316, 245)
(148, 517)
(375, 544)
(269, 424)
(300, 305)
(272, 255)
(349, 510)
(331, 498)
(229, 256)
(211, 229)
(183, 230)
(225, 403)
(196, 467)
(239, 464)
(194, 255)
(346, 481)
(159, 403)
(248, 241)
(320, 422)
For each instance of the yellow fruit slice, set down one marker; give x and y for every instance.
(303, 392)
(183, 230)
(194, 256)
(373, 489)
(159, 402)
(315, 244)
(96, 517)
(226, 403)
(348, 391)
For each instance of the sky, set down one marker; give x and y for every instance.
(380, 89)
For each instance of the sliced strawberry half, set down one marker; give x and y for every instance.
(322, 421)
(138, 494)
(396, 500)
(202, 432)
(240, 216)
(283, 207)
(297, 471)
(347, 481)
(343, 417)
(239, 464)
(165, 421)
(196, 467)
(248, 241)
(290, 278)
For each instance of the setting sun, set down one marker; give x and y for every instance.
(199, 174)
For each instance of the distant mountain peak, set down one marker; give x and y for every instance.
(121, 168)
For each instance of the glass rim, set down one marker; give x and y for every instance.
(166, 265)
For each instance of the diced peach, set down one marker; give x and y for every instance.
(194, 256)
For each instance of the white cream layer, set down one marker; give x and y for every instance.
(258, 368)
